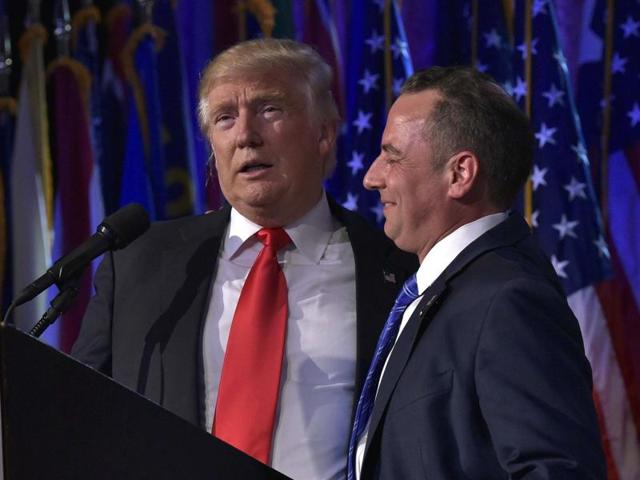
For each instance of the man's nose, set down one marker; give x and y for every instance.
(373, 179)
(248, 131)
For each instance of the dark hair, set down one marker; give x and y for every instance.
(476, 114)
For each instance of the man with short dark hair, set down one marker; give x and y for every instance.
(480, 370)
(256, 322)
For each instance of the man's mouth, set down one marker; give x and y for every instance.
(254, 167)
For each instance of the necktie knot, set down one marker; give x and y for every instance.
(408, 293)
(276, 238)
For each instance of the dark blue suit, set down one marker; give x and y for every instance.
(488, 380)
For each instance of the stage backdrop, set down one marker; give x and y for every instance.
(97, 109)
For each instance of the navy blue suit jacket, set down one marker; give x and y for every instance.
(488, 380)
(144, 325)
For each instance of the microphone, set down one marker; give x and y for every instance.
(116, 231)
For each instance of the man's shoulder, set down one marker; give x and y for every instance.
(354, 221)
(169, 234)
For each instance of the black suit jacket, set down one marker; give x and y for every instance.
(144, 325)
(488, 379)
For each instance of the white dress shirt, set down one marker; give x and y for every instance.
(436, 261)
(318, 374)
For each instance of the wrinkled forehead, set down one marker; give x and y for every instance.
(250, 86)
(247, 87)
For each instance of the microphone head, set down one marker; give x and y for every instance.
(125, 225)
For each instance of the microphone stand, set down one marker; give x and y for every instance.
(59, 305)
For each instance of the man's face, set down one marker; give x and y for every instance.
(268, 145)
(412, 192)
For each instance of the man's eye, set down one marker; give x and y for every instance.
(223, 119)
(271, 111)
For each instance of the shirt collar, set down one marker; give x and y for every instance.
(447, 249)
(310, 234)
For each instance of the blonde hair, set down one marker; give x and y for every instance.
(287, 57)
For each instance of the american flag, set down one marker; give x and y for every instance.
(565, 214)
(377, 65)
(493, 44)
(609, 100)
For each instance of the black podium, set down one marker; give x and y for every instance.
(63, 420)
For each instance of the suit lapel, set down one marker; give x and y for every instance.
(369, 322)
(188, 267)
(512, 230)
(376, 284)
(401, 352)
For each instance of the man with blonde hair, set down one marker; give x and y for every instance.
(263, 345)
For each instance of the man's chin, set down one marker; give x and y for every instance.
(267, 208)
(394, 234)
(261, 195)
(390, 231)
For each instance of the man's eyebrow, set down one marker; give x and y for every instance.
(269, 97)
(225, 104)
(259, 99)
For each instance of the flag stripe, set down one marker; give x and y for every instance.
(622, 433)
(625, 232)
(623, 320)
(612, 470)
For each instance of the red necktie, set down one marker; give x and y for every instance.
(250, 381)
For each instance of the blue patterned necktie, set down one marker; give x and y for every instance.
(386, 341)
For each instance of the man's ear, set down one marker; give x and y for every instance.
(328, 133)
(464, 170)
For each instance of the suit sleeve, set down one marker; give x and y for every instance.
(534, 386)
(93, 345)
